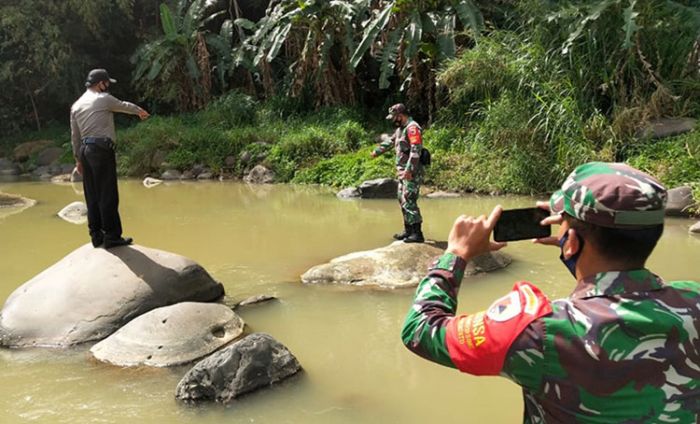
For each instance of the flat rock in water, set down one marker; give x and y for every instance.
(680, 200)
(75, 213)
(11, 204)
(397, 265)
(149, 182)
(380, 188)
(171, 335)
(443, 195)
(254, 362)
(255, 300)
(91, 293)
(695, 229)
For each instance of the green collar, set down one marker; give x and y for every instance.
(617, 282)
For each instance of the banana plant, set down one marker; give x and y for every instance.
(176, 68)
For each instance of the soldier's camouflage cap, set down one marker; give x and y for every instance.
(398, 108)
(611, 195)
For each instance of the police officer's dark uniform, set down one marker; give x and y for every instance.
(93, 137)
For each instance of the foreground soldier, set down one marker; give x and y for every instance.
(407, 141)
(623, 347)
(93, 136)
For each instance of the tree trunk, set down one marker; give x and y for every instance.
(36, 111)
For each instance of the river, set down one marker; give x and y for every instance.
(259, 240)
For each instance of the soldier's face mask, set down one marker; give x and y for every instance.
(570, 263)
(397, 122)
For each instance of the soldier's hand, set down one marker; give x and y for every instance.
(373, 154)
(471, 237)
(406, 175)
(550, 220)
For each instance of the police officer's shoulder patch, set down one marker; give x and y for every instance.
(478, 343)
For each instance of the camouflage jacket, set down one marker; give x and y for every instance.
(623, 347)
(407, 142)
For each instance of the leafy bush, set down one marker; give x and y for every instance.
(349, 169)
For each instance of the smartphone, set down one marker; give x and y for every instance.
(521, 224)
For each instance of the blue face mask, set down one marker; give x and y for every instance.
(570, 263)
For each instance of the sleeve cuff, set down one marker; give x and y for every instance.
(451, 263)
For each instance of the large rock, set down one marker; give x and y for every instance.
(170, 175)
(695, 228)
(381, 188)
(49, 156)
(91, 293)
(394, 266)
(7, 167)
(75, 213)
(150, 182)
(171, 335)
(252, 363)
(666, 127)
(679, 202)
(260, 175)
(23, 151)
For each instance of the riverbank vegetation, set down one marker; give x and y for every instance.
(513, 95)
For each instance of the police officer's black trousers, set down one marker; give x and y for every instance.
(101, 194)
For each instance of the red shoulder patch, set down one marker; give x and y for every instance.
(478, 343)
(414, 135)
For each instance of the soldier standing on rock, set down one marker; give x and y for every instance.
(623, 347)
(93, 137)
(407, 141)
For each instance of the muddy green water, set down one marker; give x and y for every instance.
(258, 240)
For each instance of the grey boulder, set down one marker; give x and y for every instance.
(171, 335)
(397, 265)
(48, 156)
(254, 362)
(695, 228)
(679, 202)
(666, 127)
(91, 293)
(75, 213)
(8, 168)
(260, 175)
(170, 175)
(380, 188)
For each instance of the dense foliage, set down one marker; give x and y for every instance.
(513, 94)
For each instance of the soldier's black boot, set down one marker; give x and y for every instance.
(416, 235)
(406, 232)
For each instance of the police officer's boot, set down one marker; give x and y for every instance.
(416, 235)
(406, 232)
(121, 241)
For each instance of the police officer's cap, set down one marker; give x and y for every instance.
(98, 75)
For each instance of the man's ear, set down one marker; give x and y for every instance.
(572, 245)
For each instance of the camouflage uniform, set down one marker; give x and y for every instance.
(623, 347)
(407, 142)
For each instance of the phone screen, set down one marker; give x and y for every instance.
(521, 224)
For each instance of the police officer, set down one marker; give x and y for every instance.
(624, 346)
(93, 137)
(407, 141)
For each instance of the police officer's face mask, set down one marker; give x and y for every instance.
(570, 263)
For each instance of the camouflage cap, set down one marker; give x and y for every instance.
(397, 109)
(611, 195)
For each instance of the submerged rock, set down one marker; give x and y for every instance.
(349, 193)
(75, 213)
(260, 175)
(254, 362)
(394, 266)
(11, 204)
(380, 188)
(253, 300)
(171, 335)
(680, 200)
(91, 293)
